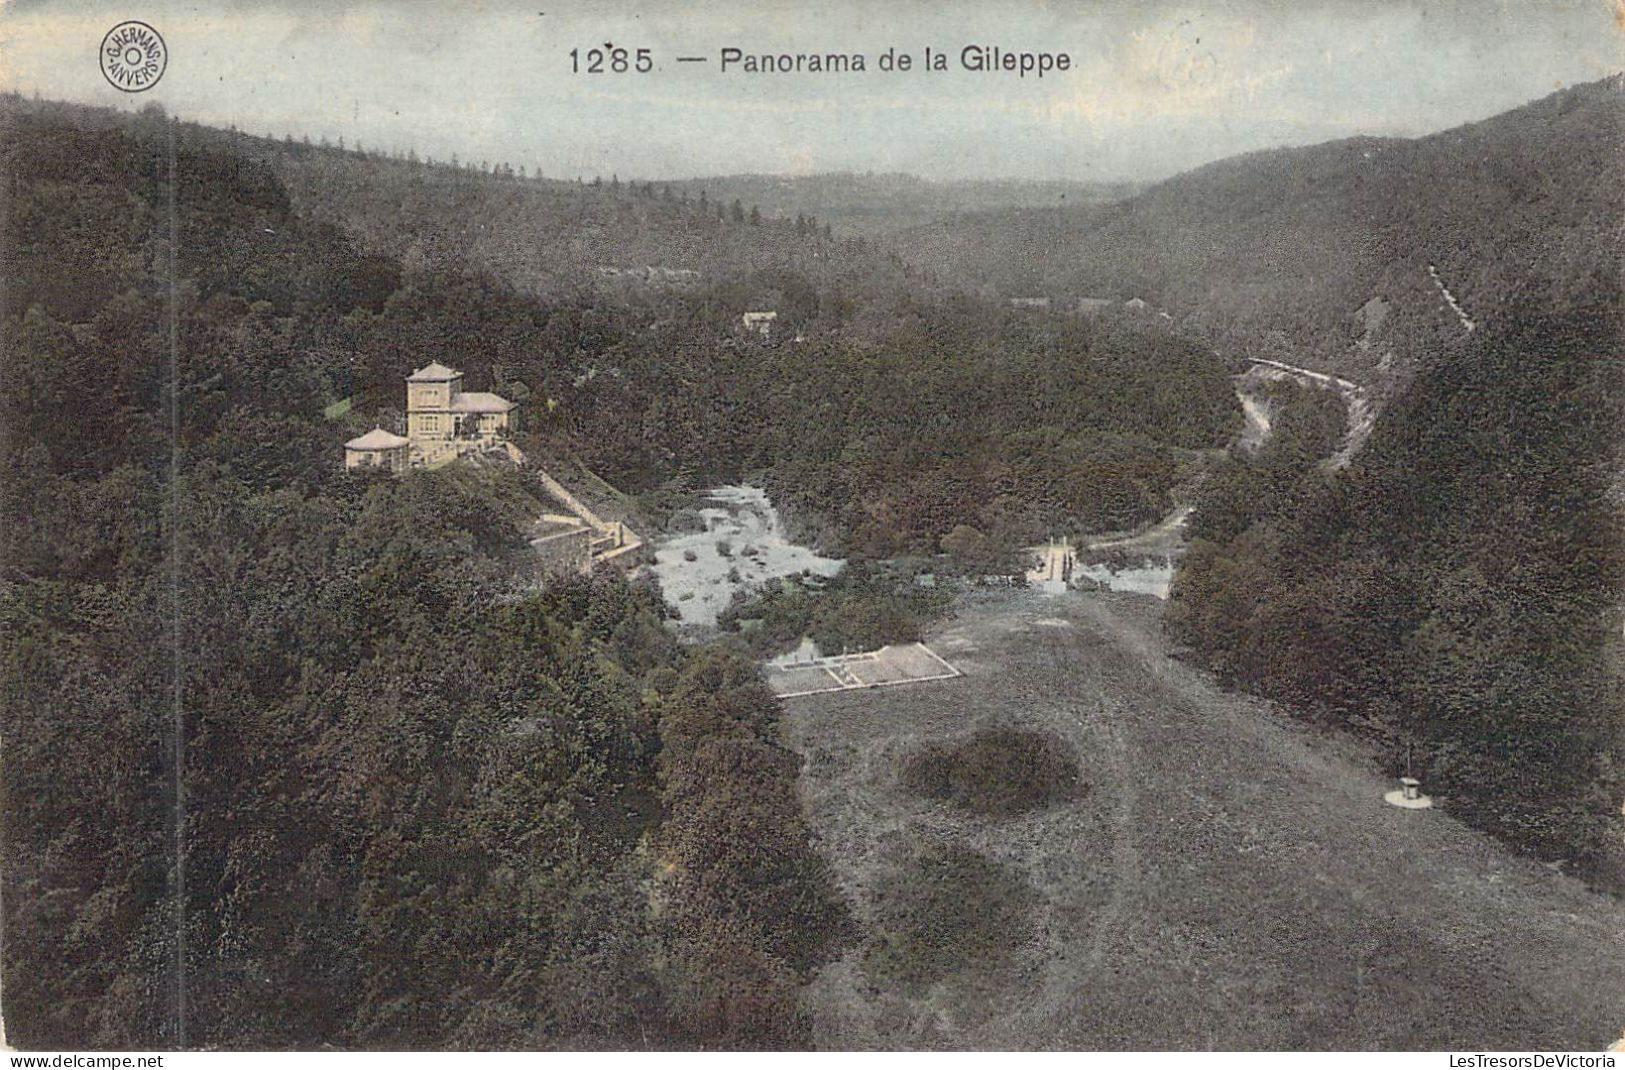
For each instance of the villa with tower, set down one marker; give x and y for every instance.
(438, 409)
(445, 422)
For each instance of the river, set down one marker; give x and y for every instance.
(743, 545)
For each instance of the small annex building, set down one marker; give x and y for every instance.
(378, 449)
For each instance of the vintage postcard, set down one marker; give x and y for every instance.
(970, 526)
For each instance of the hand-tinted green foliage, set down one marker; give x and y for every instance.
(1245, 488)
(746, 904)
(1456, 589)
(420, 803)
(995, 772)
(1012, 425)
(878, 203)
(900, 416)
(904, 413)
(861, 608)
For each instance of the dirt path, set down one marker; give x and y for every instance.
(1362, 414)
(1164, 533)
(1256, 431)
(1232, 879)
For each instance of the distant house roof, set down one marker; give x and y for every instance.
(434, 373)
(376, 439)
(476, 401)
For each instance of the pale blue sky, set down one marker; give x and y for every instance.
(1158, 87)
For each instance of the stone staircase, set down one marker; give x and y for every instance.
(570, 501)
(610, 539)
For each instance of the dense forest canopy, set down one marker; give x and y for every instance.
(1456, 591)
(879, 204)
(428, 802)
(424, 802)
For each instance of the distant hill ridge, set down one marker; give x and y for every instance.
(882, 203)
(1274, 253)
(543, 236)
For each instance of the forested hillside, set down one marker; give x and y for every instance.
(557, 239)
(1277, 253)
(423, 803)
(902, 414)
(960, 414)
(540, 236)
(1456, 591)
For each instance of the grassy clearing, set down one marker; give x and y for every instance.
(996, 772)
(1233, 880)
(945, 910)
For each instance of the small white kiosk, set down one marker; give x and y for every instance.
(1408, 796)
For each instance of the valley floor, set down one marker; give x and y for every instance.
(1231, 879)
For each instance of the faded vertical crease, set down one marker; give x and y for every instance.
(178, 715)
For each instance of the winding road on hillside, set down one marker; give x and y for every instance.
(1361, 413)
(1168, 532)
(1232, 879)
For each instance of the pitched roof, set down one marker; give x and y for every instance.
(478, 401)
(434, 373)
(376, 439)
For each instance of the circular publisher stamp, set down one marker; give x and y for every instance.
(133, 56)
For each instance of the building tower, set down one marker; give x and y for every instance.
(438, 408)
